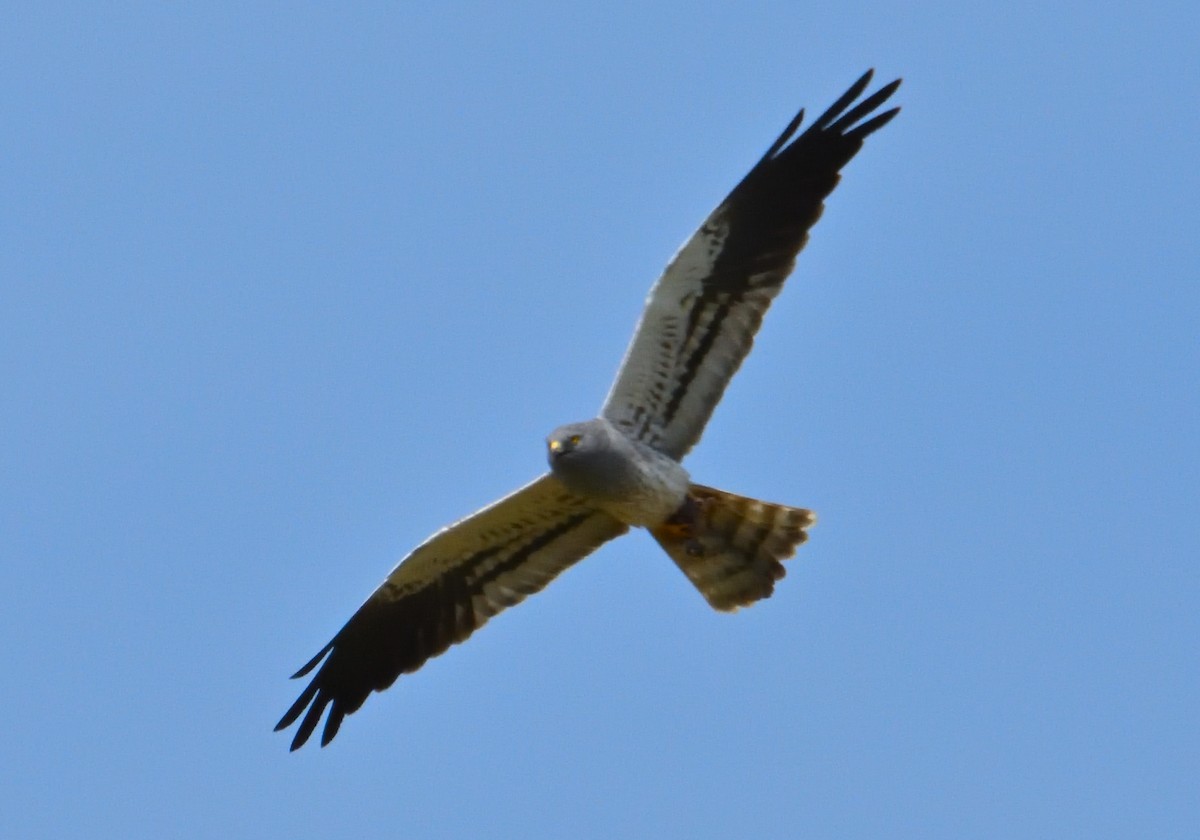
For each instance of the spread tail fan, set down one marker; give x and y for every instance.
(731, 547)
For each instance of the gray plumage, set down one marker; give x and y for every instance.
(622, 468)
(636, 484)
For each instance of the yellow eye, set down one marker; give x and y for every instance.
(574, 440)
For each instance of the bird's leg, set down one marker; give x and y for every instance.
(680, 526)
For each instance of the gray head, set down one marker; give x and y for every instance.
(591, 458)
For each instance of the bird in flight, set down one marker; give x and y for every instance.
(622, 469)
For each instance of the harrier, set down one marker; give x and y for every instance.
(622, 469)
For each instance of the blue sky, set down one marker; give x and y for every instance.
(283, 289)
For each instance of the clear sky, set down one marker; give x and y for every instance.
(284, 288)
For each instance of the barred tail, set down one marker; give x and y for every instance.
(730, 547)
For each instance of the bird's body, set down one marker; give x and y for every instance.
(632, 482)
(622, 469)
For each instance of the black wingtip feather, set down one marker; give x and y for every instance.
(839, 123)
(874, 124)
(784, 136)
(293, 713)
(843, 102)
(834, 121)
(834, 132)
(771, 210)
(332, 723)
(865, 107)
(312, 663)
(309, 724)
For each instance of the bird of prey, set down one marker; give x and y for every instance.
(622, 469)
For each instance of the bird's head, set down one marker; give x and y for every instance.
(592, 446)
(567, 442)
(589, 458)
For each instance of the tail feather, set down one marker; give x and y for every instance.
(731, 547)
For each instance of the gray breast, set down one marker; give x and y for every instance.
(631, 481)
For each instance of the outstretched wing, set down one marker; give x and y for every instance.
(702, 314)
(446, 588)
